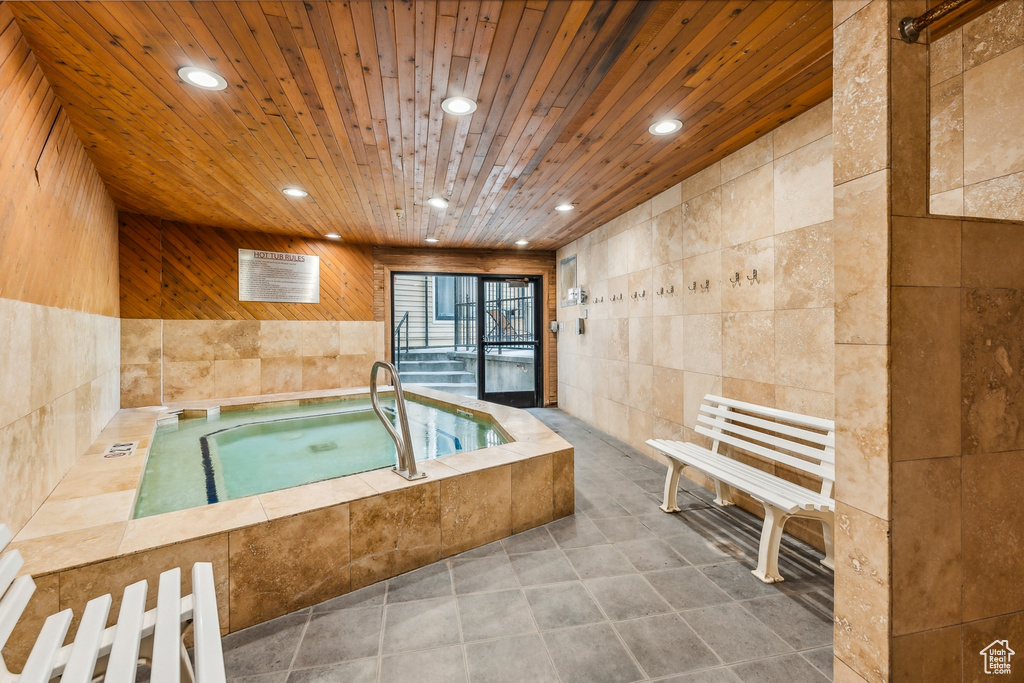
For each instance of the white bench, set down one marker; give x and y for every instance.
(113, 654)
(798, 441)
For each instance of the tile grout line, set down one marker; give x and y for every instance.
(383, 623)
(458, 619)
(298, 645)
(529, 607)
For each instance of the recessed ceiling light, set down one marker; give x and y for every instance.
(522, 243)
(333, 236)
(202, 78)
(438, 202)
(565, 207)
(431, 240)
(666, 127)
(459, 106)
(295, 192)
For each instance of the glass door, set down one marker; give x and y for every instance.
(510, 363)
(433, 331)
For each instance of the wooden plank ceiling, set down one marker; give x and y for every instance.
(342, 99)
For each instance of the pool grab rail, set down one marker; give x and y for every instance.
(403, 442)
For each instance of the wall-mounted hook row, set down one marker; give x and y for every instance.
(736, 281)
(662, 291)
(616, 297)
(638, 295)
(597, 299)
(753, 278)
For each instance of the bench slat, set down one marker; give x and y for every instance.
(167, 634)
(758, 481)
(41, 659)
(209, 653)
(749, 479)
(86, 648)
(818, 470)
(5, 536)
(124, 653)
(13, 604)
(771, 440)
(10, 564)
(774, 413)
(827, 440)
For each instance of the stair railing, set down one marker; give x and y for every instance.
(403, 323)
(403, 442)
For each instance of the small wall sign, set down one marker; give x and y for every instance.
(277, 277)
(123, 449)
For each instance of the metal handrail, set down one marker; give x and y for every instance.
(404, 322)
(403, 442)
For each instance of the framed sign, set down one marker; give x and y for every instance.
(280, 278)
(566, 280)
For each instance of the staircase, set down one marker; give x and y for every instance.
(437, 369)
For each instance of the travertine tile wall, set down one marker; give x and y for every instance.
(957, 469)
(977, 114)
(864, 199)
(958, 582)
(643, 365)
(185, 360)
(59, 374)
(927, 363)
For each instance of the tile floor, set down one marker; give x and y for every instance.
(618, 592)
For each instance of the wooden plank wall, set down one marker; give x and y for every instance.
(387, 260)
(58, 225)
(178, 271)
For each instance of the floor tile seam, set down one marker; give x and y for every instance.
(698, 636)
(770, 627)
(536, 625)
(618, 635)
(451, 583)
(380, 639)
(827, 674)
(691, 672)
(529, 607)
(298, 644)
(744, 601)
(462, 638)
(792, 650)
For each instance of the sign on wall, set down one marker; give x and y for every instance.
(276, 277)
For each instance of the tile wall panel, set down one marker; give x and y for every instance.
(699, 323)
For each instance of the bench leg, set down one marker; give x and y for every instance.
(768, 554)
(723, 494)
(671, 486)
(826, 532)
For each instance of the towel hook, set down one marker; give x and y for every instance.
(752, 279)
(706, 287)
(693, 287)
(735, 281)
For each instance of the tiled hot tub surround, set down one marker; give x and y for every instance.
(284, 550)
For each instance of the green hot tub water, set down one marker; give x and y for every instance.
(206, 460)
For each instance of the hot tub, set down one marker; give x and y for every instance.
(280, 550)
(237, 453)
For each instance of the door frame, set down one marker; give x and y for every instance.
(514, 399)
(538, 281)
(442, 261)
